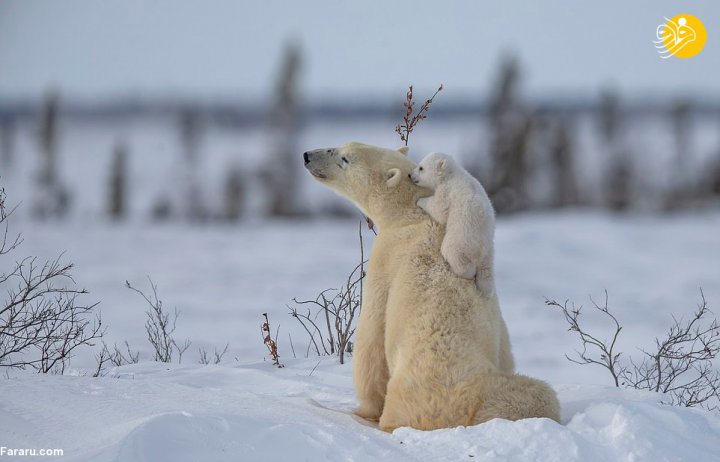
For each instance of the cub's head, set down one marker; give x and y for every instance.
(432, 170)
(373, 178)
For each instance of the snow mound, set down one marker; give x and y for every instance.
(254, 412)
(599, 424)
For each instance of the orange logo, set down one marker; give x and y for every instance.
(683, 36)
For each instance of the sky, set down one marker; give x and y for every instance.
(351, 49)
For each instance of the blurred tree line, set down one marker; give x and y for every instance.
(527, 142)
(527, 161)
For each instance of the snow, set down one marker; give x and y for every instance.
(222, 278)
(153, 412)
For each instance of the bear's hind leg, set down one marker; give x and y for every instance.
(515, 397)
(422, 401)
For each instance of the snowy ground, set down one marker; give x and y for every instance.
(152, 412)
(223, 278)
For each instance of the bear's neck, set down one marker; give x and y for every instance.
(398, 209)
(392, 216)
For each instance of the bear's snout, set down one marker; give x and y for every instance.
(317, 161)
(318, 155)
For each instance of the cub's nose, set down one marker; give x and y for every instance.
(306, 157)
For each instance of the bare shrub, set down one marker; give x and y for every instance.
(607, 357)
(269, 342)
(217, 356)
(680, 366)
(42, 322)
(116, 357)
(410, 120)
(160, 327)
(329, 319)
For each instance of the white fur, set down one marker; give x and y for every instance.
(461, 204)
(430, 350)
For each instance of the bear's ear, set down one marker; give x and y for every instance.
(404, 150)
(393, 177)
(440, 165)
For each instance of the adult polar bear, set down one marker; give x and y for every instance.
(430, 351)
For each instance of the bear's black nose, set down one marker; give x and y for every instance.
(306, 157)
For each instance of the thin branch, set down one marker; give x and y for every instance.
(410, 120)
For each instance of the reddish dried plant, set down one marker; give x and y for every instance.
(269, 342)
(410, 120)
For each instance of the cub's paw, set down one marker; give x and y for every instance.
(486, 286)
(460, 263)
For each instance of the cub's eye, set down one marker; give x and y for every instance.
(345, 159)
(421, 169)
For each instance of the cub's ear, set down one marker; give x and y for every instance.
(393, 177)
(404, 150)
(440, 165)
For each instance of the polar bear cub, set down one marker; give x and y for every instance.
(462, 205)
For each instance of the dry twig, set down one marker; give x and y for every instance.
(269, 342)
(410, 120)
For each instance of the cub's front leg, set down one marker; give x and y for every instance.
(434, 207)
(423, 203)
(457, 246)
(459, 260)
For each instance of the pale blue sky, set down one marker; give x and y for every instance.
(358, 49)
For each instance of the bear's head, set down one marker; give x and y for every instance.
(432, 170)
(375, 179)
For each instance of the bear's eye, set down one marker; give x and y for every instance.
(421, 169)
(345, 159)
